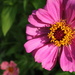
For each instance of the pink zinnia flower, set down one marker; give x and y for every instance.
(10, 68)
(51, 35)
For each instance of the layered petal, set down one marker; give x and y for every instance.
(73, 24)
(43, 52)
(6, 73)
(12, 64)
(35, 43)
(44, 16)
(16, 71)
(29, 37)
(36, 31)
(70, 12)
(54, 8)
(72, 47)
(33, 32)
(50, 61)
(4, 65)
(33, 19)
(66, 60)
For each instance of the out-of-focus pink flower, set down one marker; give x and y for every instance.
(51, 34)
(10, 68)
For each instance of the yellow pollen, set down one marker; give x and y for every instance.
(61, 33)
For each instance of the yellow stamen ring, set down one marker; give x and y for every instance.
(66, 31)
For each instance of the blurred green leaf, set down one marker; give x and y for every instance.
(62, 73)
(9, 2)
(73, 73)
(25, 4)
(38, 3)
(8, 16)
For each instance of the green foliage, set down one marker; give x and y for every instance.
(13, 19)
(8, 17)
(25, 4)
(38, 3)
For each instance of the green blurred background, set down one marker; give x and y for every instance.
(13, 20)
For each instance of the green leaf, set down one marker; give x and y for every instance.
(9, 2)
(8, 16)
(25, 4)
(73, 73)
(38, 3)
(62, 73)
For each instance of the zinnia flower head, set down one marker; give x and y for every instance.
(10, 68)
(51, 34)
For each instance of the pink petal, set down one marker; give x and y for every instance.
(54, 8)
(70, 12)
(35, 21)
(35, 31)
(4, 65)
(12, 64)
(44, 16)
(43, 52)
(72, 47)
(35, 43)
(34, 52)
(66, 60)
(16, 72)
(6, 73)
(29, 37)
(50, 61)
(73, 24)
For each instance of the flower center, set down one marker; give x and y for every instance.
(61, 33)
(10, 69)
